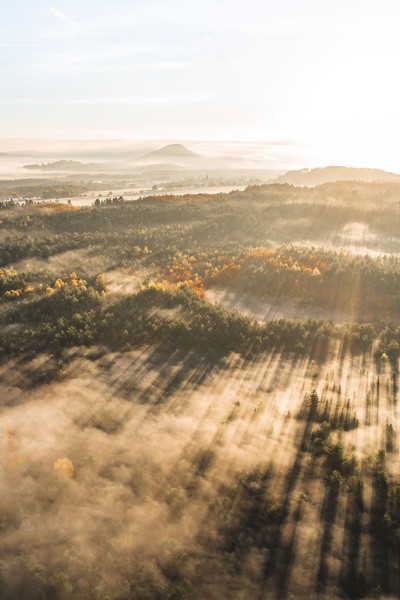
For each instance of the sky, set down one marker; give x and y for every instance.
(320, 76)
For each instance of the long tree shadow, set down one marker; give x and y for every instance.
(352, 580)
(328, 515)
(379, 540)
(292, 477)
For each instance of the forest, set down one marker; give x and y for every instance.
(199, 395)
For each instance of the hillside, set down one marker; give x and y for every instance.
(63, 165)
(163, 159)
(169, 152)
(320, 175)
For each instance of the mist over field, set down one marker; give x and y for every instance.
(188, 480)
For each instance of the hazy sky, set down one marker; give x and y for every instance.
(322, 74)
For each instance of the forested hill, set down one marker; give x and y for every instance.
(311, 177)
(287, 247)
(63, 165)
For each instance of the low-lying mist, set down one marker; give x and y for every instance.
(146, 475)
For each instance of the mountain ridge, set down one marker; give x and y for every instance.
(332, 173)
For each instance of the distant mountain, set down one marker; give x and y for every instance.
(172, 157)
(63, 165)
(312, 177)
(167, 153)
(114, 167)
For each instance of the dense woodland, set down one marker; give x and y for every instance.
(116, 300)
(199, 243)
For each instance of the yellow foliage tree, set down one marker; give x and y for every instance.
(64, 466)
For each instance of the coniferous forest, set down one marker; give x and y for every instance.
(199, 396)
